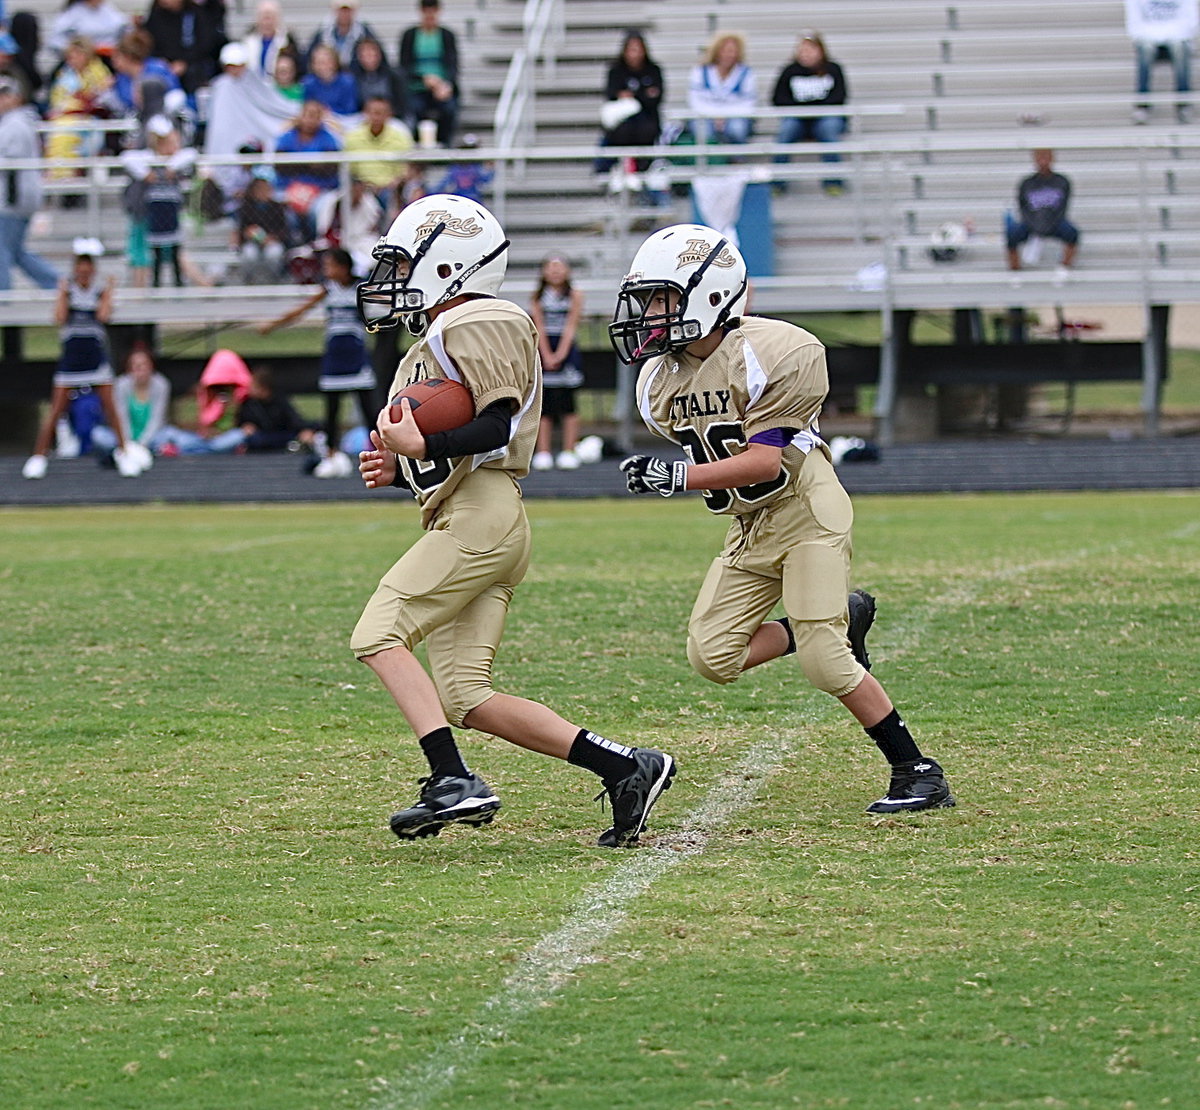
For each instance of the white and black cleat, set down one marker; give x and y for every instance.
(916, 785)
(632, 798)
(446, 800)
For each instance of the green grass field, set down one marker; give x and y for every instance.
(201, 905)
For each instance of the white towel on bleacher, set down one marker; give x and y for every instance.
(719, 201)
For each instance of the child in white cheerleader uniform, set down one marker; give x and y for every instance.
(346, 362)
(82, 309)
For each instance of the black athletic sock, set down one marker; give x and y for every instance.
(442, 753)
(606, 758)
(787, 627)
(894, 740)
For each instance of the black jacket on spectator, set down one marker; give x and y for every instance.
(646, 84)
(270, 215)
(383, 82)
(24, 28)
(801, 85)
(194, 35)
(276, 422)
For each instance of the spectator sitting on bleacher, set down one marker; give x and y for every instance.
(429, 59)
(1163, 29)
(99, 21)
(142, 398)
(268, 38)
(265, 231)
(360, 234)
(342, 30)
(633, 91)
(328, 83)
(76, 96)
(812, 80)
(267, 420)
(142, 82)
(189, 37)
(466, 177)
(302, 183)
(245, 114)
(19, 52)
(285, 75)
(376, 78)
(378, 137)
(720, 87)
(1042, 200)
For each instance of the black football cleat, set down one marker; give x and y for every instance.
(862, 616)
(633, 797)
(916, 785)
(446, 800)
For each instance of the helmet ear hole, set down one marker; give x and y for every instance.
(444, 270)
(714, 299)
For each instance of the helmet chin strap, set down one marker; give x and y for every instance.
(694, 280)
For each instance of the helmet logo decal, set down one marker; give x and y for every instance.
(461, 227)
(697, 250)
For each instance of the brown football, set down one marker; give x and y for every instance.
(438, 404)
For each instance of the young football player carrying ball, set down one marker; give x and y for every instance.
(438, 269)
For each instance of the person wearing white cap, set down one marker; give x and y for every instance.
(234, 55)
(20, 189)
(341, 29)
(81, 311)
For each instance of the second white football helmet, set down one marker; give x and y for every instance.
(684, 282)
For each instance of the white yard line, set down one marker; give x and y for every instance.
(547, 966)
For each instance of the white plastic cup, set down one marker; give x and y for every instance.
(427, 133)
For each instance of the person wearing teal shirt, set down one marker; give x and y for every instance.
(429, 57)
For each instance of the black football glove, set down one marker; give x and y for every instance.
(646, 474)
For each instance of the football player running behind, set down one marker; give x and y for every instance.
(741, 395)
(438, 270)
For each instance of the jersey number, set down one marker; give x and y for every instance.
(717, 443)
(421, 475)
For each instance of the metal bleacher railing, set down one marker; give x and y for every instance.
(1131, 268)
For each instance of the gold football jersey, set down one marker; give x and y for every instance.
(765, 374)
(491, 346)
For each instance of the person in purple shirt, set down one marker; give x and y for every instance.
(328, 83)
(1042, 200)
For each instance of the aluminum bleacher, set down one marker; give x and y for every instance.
(969, 89)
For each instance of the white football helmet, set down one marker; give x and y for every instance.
(684, 282)
(438, 248)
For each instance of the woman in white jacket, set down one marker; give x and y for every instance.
(268, 38)
(720, 89)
